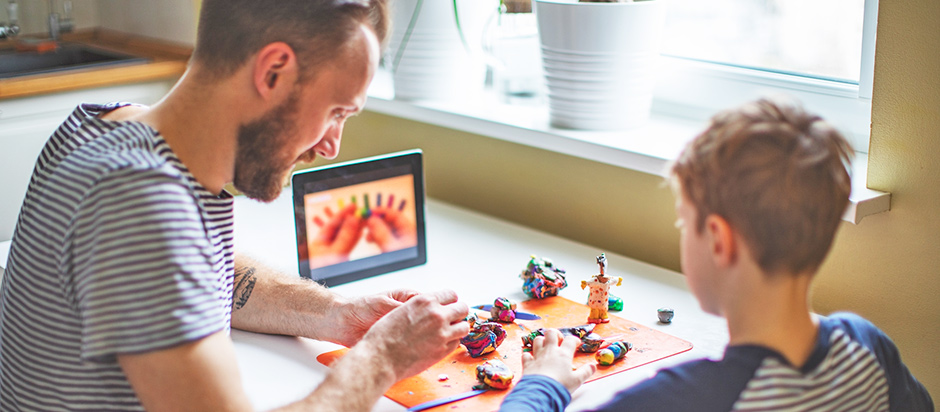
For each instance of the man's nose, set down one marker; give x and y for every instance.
(328, 148)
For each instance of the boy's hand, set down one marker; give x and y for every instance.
(551, 356)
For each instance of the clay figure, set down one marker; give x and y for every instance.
(484, 337)
(598, 297)
(503, 310)
(542, 279)
(616, 351)
(495, 374)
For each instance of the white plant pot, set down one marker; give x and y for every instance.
(600, 61)
(429, 60)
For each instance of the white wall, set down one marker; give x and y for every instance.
(170, 20)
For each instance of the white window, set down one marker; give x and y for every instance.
(720, 53)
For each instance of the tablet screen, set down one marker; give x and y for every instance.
(360, 218)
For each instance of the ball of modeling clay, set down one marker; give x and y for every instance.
(612, 353)
(483, 338)
(665, 315)
(614, 303)
(495, 374)
(503, 310)
(542, 279)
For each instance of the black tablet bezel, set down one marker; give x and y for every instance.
(357, 171)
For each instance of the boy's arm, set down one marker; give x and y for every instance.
(536, 393)
(549, 378)
(266, 301)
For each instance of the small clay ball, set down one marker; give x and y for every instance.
(665, 315)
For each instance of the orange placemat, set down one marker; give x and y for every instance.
(649, 345)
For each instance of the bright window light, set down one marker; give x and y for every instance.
(722, 53)
(820, 39)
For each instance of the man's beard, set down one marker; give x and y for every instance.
(260, 165)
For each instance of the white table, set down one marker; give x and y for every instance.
(480, 258)
(477, 256)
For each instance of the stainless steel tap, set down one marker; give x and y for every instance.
(57, 24)
(11, 28)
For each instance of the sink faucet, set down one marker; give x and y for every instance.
(10, 29)
(59, 25)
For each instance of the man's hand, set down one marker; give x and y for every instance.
(421, 332)
(357, 315)
(551, 356)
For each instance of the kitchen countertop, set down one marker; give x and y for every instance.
(167, 60)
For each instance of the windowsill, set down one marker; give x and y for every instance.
(646, 149)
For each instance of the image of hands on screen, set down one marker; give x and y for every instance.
(360, 221)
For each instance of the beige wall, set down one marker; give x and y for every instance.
(887, 268)
(170, 20)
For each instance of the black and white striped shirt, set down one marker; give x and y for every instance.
(117, 249)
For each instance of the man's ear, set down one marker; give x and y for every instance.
(275, 70)
(722, 241)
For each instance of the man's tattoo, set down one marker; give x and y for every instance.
(244, 283)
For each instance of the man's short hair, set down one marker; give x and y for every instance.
(777, 174)
(231, 31)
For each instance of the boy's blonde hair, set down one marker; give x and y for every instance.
(777, 174)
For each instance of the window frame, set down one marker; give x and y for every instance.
(649, 148)
(696, 89)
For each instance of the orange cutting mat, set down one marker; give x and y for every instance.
(649, 345)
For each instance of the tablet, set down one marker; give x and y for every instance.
(360, 218)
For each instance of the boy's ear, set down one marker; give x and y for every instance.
(275, 70)
(723, 243)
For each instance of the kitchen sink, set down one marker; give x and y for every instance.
(66, 57)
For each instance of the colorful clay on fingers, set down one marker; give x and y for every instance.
(503, 310)
(495, 374)
(614, 352)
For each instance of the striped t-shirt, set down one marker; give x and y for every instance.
(117, 250)
(853, 367)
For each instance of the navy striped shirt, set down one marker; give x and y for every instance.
(853, 367)
(117, 250)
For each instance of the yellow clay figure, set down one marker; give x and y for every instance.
(600, 285)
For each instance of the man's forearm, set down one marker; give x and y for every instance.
(270, 302)
(364, 368)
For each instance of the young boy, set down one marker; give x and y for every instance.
(759, 196)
